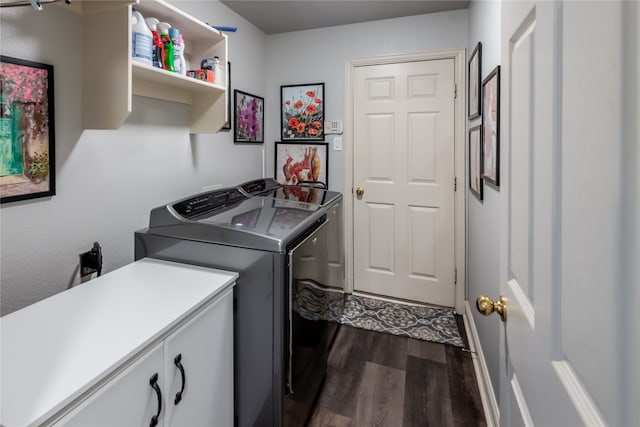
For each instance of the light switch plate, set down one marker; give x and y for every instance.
(337, 143)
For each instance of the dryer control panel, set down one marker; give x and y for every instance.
(206, 202)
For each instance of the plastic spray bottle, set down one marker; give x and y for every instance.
(158, 46)
(174, 34)
(168, 63)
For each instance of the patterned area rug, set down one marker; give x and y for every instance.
(429, 323)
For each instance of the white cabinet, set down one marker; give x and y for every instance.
(127, 400)
(111, 77)
(86, 356)
(205, 349)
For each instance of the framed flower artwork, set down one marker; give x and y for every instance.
(27, 163)
(302, 112)
(249, 117)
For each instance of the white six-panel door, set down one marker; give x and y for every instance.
(562, 215)
(403, 160)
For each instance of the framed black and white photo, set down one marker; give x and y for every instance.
(474, 89)
(491, 128)
(475, 161)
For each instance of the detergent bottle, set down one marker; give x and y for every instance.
(183, 62)
(217, 70)
(141, 39)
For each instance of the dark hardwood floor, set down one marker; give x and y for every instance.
(377, 379)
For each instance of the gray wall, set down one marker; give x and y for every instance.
(107, 181)
(483, 217)
(320, 55)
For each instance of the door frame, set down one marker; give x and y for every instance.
(459, 59)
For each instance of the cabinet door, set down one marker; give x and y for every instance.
(126, 401)
(205, 346)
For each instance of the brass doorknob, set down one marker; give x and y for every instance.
(359, 191)
(486, 306)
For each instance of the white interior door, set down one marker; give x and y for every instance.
(403, 222)
(562, 250)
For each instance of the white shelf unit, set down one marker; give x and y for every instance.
(111, 77)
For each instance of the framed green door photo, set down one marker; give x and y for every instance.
(27, 147)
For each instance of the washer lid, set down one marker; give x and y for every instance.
(256, 222)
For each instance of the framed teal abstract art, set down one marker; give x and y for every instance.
(27, 136)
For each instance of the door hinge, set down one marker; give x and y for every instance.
(455, 276)
(455, 184)
(455, 90)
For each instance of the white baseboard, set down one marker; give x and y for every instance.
(489, 401)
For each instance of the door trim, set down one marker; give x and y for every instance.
(458, 56)
(483, 378)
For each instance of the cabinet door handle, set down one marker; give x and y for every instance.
(178, 363)
(153, 381)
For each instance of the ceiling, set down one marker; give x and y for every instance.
(281, 16)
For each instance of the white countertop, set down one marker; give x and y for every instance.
(56, 349)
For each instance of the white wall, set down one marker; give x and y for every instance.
(108, 181)
(319, 56)
(483, 217)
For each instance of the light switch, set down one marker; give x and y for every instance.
(337, 143)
